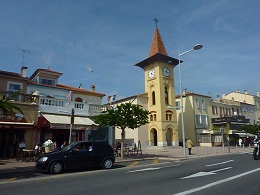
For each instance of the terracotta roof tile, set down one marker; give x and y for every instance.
(157, 44)
(12, 74)
(79, 89)
(61, 86)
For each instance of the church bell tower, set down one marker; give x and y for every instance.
(159, 87)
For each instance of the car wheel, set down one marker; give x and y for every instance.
(107, 164)
(56, 167)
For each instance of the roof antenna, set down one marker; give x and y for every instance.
(23, 50)
(156, 21)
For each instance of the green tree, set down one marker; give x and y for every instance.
(6, 104)
(251, 128)
(126, 115)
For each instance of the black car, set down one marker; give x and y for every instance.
(77, 155)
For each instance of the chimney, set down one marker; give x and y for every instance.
(184, 91)
(93, 87)
(218, 98)
(23, 71)
(80, 85)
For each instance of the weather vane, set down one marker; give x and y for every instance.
(156, 21)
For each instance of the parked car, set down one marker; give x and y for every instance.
(77, 155)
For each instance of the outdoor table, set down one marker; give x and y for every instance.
(126, 150)
(27, 154)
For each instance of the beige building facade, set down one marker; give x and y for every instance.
(196, 108)
(250, 103)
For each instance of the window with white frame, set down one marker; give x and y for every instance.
(201, 120)
(204, 120)
(178, 105)
(197, 102)
(214, 110)
(258, 104)
(198, 119)
(46, 81)
(13, 86)
(204, 106)
(203, 138)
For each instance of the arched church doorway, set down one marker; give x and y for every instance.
(169, 134)
(154, 136)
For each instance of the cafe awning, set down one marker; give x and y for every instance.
(15, 125)
(63, 122)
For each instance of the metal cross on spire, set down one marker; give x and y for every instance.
(156, 21)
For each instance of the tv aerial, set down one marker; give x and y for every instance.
(24, 51)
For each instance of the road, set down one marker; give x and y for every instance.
(222, 174)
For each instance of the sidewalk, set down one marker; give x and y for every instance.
(175, 153)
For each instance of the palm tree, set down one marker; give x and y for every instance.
(6, 104)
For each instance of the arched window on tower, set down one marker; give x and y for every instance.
(153, 98)
(166, 96)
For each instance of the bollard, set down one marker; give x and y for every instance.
(215, 150)
(236, 148)
(243, 147)
(197, 153)
(206, 150)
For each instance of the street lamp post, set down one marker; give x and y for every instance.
(196, 47)
(71, 123)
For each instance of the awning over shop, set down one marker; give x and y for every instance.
(16, 125)
(245, 135)
(63, 122)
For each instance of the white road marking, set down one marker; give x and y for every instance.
(217, 182)
(152, 168)
(221, 169)
(203, 173)
(219, 163)
(245, 152)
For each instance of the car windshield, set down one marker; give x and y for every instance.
(68, 147)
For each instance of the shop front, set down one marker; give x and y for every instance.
(14, 129)
(57, 128)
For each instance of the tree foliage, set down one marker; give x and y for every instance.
(251, 128)
(126, 115)
(6, 104)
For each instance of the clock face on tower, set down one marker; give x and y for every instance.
(166, 72)
(151, 73)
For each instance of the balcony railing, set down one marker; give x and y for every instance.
(19, 98)
(52, 105)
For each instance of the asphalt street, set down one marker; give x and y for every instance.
(222, 174)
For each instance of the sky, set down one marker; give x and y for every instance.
(110, 37)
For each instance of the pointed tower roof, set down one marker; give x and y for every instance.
(157, 44)
(157, 53)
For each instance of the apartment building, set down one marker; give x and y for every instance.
(50, 110)
(204, 118)
(15, 126)
(196, 112)
(250, 103)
